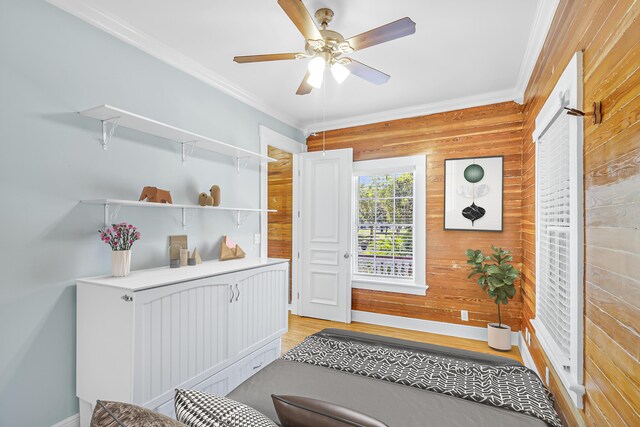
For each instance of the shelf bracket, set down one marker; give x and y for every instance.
(108, 127)
(241, 162)
(110, 216)
(186, 155)
(241, 217)
(184, 219)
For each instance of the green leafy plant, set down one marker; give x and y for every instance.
(497, 276)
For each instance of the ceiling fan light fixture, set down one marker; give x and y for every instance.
(315, 79)
(340, 72)
(317, 65)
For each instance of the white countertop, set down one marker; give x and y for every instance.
(154, 277)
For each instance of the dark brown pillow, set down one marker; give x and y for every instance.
(297, 411)
(117, 414)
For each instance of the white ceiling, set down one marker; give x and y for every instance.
(463, 52)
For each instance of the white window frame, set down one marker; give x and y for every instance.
(567, 93)
(416, 164)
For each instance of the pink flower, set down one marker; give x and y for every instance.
(106, 239)
(137, 235)
(130, 226)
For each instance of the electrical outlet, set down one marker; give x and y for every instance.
(256, 238)
(464, 315)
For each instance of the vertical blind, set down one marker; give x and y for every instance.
(385, 225)
(553, 229)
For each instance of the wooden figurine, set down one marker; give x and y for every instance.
(215, 193)
(196, 255)
(205, 200)
(176, 243)
(156, 195)
(230, 250)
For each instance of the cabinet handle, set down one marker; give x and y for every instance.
(259, 366)
(237, 289)
(231, 289)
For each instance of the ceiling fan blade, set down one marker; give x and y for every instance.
(301, 18)
(262, 58)
(304, 88)
(394, 30)
(365, 72)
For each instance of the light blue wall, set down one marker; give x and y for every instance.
(51, 65)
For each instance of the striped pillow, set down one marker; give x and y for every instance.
(200, 409)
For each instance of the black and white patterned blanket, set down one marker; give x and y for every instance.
(512, 387)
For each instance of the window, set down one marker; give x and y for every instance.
(559, 222)
(389, 222)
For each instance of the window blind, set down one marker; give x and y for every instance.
(385, 225)
(553, 229)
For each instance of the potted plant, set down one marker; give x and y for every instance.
(120, 237)
(497, 278)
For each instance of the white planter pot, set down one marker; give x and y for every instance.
(120, 263)
(499, 338)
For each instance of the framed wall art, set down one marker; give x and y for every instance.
(473, 193)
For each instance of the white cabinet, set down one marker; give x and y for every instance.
(252, 324)
(137, 342)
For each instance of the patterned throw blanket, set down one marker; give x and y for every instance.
(514, 387)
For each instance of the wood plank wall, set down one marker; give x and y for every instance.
(280, 196)
(482, 131)
(608, 32)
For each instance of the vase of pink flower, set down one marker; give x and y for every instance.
(120, 237)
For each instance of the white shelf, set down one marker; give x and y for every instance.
(114, 117)
(120, 202)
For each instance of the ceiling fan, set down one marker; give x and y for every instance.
(327, 47)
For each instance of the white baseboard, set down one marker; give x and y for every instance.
(442, 328)
(526, 354)
(72, 421)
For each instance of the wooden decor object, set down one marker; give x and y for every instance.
(230, 250)
(196, 255)
(176, 243)
(184, 257)
(156, 195)
(205, 200)
(215, 194)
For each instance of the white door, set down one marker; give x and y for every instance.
(325, 289)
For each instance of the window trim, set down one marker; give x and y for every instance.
(417, 164)
(567, 93)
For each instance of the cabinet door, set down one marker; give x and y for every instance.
(181, 336)
(259, 308)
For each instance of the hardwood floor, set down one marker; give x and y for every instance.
(301, 327)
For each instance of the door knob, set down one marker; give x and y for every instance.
(346, 255)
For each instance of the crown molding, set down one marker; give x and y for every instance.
(127, 33)
(542, 23)
(150, 45)
(414, 111)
